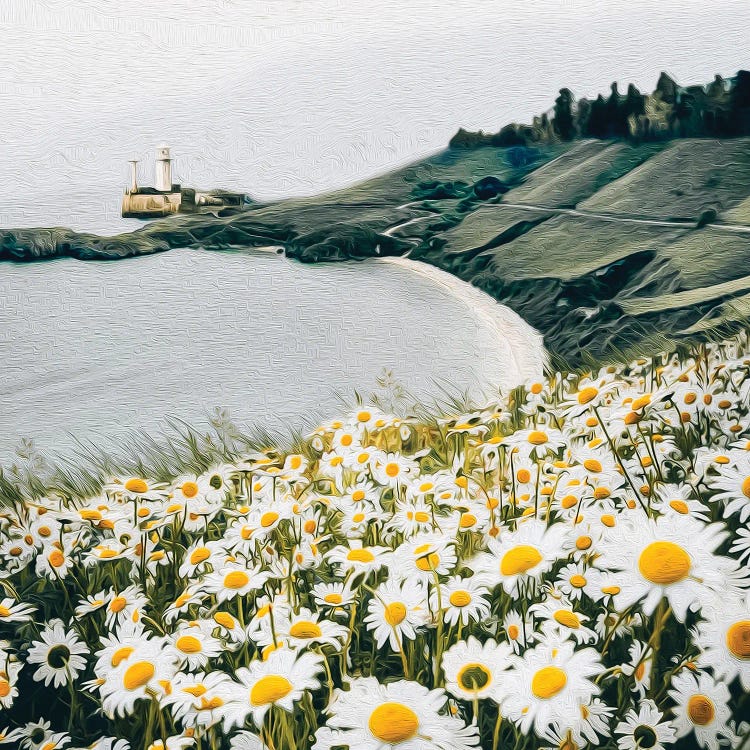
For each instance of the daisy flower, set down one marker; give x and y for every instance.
(8, 682)
(669, 557)
(527, 553)
(12, 611)
(194, 645)
(403, 715)
(125, 605)
(135, 672)
(234, 580)
(424, 555)
(281, 680)
(216, 483)
(306, 628)
(639, 666)
(724, 639)
(701, 706)
(472, 669)
(518, 632)
(334, 596)
(547, 685)
(392, 469)
(560, 620)
(733, 483)
(358, 558)
(396, 611)
(644, 729)
(60, 655)
(463, 599)
(199, 555)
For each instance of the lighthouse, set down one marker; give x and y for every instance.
(163, 181)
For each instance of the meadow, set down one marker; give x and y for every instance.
(564, 568)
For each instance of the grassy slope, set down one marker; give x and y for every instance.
(682, 180)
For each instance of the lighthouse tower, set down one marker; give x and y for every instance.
(163, 181)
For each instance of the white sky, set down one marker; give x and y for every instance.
(295, 97)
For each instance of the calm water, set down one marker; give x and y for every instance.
(100, 349)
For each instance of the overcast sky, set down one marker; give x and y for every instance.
(295, 97)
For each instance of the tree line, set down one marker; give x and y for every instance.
(720, 109)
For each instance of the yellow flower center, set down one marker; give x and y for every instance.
(738, 639)
(523, 476)
(310, 526)
(421, 517)
(269, 689)
(199, 555)
(536, 388)
(473, 677)
(591, 464)
(210, 705)
(118, 604)
(136, 485)
(567, 618)
(746, 487)
(4, 611)
(195, 690)
(392, 469)
(358, 496)
(224, 619)
(268, 519)
(583, 542)
(189, 489)
(56, 558)
(121, 654)
(426, 561)
(395, 613)
(393, 723)
(587, 395)
(680, 506)
(700, 710)
(537, 437)
(519, 560)
(237, 579)
(664, 563)
(611, 590)
(138, 675)
(577, 581)
(4, 688)
(188, 644)
(360, 555)
(460, 598)
(346, 440)
(305, 629)
(295, 462)
(569, 501)
(333, 598)
(467, 520)
(513, 632)
(91, 515)
(358, 517)
(548, 682)
(364, 416)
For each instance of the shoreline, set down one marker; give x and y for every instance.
(523, 342)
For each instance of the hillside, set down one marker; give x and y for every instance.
(601, 245)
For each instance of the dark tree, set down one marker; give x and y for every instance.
(563, 121)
